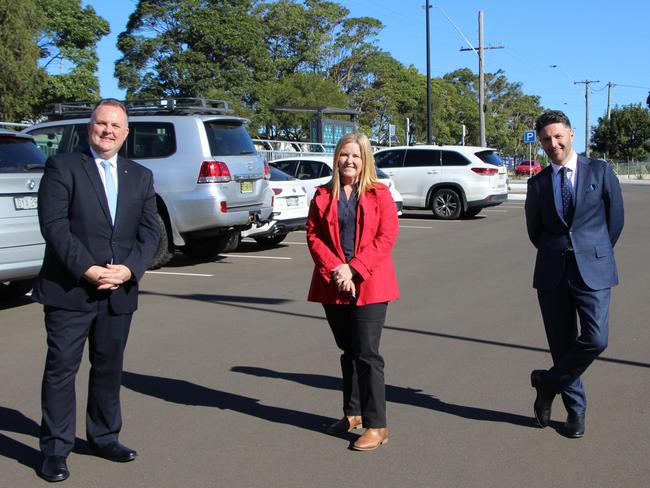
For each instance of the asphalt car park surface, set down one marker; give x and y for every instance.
(231, 376)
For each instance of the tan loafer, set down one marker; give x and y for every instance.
(346, 424)
(371, 439)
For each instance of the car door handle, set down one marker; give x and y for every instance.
(435, 172)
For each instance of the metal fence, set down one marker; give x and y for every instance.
(638, 170)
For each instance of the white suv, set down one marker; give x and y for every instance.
(451, 181)
(210, 181)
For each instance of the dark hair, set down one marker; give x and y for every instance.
(552, 117)
(112, 102)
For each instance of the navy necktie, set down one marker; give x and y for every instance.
(111, 191)
(567, 196)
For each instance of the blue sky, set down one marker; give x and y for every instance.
(595, 40)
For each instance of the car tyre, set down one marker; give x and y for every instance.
(446, 204)
(270, 241)
(472, 212)
(165, 250)
(15, 289)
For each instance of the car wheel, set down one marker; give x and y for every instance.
(15, 289)
(270, 241)
(231, 241)
(472, 212)
(165, 249)
(446, 204)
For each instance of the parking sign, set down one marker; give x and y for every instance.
(529, 136)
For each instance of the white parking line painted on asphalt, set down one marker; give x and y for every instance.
(401, 219)
(414, 227)
(251, 257)
(497, 211)
(179, 274)
(283, 242)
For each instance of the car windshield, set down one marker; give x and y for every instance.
(490, 157)
(18, 154)
(228, 139)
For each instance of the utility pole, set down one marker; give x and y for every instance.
(481, 72)
(610, 85)
(586, 83)
(429, 130)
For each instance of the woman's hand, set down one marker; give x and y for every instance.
(343, 272)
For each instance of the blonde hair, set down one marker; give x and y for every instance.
(368, 175)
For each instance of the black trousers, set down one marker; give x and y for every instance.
(67, 332)
(357, 332)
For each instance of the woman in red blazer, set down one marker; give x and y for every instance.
(351, 231)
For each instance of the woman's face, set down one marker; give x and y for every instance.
(350, 163)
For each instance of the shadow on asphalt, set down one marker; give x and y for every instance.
(186, 393)
(221, 299)
(398, 394)
(12, 420)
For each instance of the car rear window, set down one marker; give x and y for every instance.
(490, 157)
(228, 139)
(279, 175)
(18, 154)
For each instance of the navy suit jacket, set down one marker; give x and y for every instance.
(76, 224)
(596, 225)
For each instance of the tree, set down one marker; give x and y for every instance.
(21, 79)
(626, 135)
(298, 89)
(70, 33)
(187, 47)
(509, 113)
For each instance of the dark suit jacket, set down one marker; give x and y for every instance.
(596, 226)
(76, 224)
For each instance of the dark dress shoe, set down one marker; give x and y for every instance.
(574, 426)
(54, 468)
(543, 401)
(114, 452)
(345, 425)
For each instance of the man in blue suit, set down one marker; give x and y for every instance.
(97, 212)
(574, 216)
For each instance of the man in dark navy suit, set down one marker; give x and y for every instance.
(574, 216)
(97, 212)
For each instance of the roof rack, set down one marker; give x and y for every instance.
(151, 106)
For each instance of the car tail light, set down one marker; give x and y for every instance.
(223, 206)
(267, 170)
(485, 171)
(214, 172)
(277, 191)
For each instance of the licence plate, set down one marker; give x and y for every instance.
(246, 186)
(292, 201)
(28, 202)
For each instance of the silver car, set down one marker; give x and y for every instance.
(210, 181)
(21, 243)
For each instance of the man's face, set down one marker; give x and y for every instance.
(557, 141)
(107, 130)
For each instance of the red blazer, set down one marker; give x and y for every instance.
(376, 232)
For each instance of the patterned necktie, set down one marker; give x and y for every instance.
(567, 196)
(111, 192)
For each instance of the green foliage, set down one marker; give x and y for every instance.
(70, 32)
(189, 47)
(626, 135)
(21, 80)
(299, 90)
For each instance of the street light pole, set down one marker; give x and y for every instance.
(429, 129)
